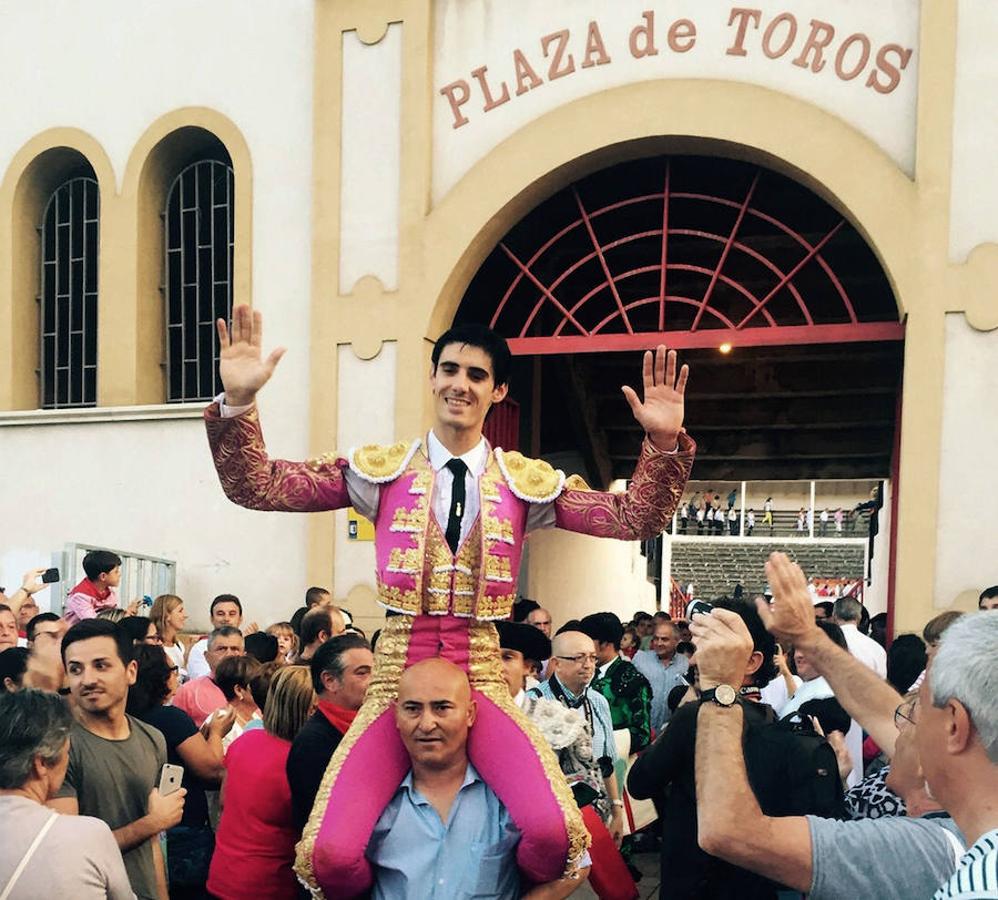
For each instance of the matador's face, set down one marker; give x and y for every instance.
(464, 387)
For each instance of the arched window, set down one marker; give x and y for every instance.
(68, 296)
(199, 228)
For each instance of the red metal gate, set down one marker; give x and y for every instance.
(688, 251)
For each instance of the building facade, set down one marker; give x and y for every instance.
(360, 161)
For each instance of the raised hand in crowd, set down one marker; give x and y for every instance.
(724, 646)
(661, 412)
(868, 698)
(31, 583)
(783, 667)
(837, 741)
(241, 364)
(790, 616)
(45, 670)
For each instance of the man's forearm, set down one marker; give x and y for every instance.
(160, 865)
(253, 480)
(726, 806)
(134, 833)
(863, 694)
(610, 782)
(731, 824)
(16, 600)
(643, 510)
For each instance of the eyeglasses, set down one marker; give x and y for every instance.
(580, 658)
(905, 714)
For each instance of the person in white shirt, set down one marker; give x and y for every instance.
(846, 613)
(226, 609)
(815, 687)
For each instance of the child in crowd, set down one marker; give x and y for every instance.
(287, 641)
(96, 591)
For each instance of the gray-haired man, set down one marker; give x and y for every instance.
(200, 697)
(954, 728)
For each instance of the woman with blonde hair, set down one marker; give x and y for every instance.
(255, 842)
(287, 640)
(168, 615)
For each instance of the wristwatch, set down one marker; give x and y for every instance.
(723, 695)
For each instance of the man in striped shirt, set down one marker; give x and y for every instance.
(958, 746)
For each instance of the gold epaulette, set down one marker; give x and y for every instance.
(379, 463)
(532, 480)
(576, 483)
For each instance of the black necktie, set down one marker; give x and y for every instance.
(459, 469)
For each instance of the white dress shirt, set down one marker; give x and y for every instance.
(197, 663)
(865, 649)
(365, 496)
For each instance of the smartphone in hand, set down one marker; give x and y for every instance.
(170, 778)
(698, 606)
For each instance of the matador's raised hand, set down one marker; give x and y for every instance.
(241, 365)
(661, 413)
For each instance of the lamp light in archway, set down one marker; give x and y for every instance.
(725, 348)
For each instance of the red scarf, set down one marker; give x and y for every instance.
(91, 590)
(341, 719)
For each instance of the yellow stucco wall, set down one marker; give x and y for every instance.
(130, 323)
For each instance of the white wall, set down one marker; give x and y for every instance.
(966, 557)
(573, 575)
(111, 68)
(147, 487)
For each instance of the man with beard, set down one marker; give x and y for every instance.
(114, 759)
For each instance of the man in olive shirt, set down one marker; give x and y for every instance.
(115, 760)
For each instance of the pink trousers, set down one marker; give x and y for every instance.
(371, 761)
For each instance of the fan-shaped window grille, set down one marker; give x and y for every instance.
(700, 246)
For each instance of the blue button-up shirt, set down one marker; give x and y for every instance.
(662, 680)
(416, 855)
(603, 741)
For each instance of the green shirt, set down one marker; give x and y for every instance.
(629, 695)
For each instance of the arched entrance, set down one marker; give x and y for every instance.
(774, 298)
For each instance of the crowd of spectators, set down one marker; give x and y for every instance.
(778, 746)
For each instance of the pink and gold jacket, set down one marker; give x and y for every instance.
(416, 570)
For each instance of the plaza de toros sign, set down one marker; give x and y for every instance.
(498, 64)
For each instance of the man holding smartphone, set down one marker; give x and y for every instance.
(115, 760)
(31, 584)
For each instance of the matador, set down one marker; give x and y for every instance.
(450, 514)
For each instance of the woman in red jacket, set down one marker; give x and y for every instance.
(255, 843)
